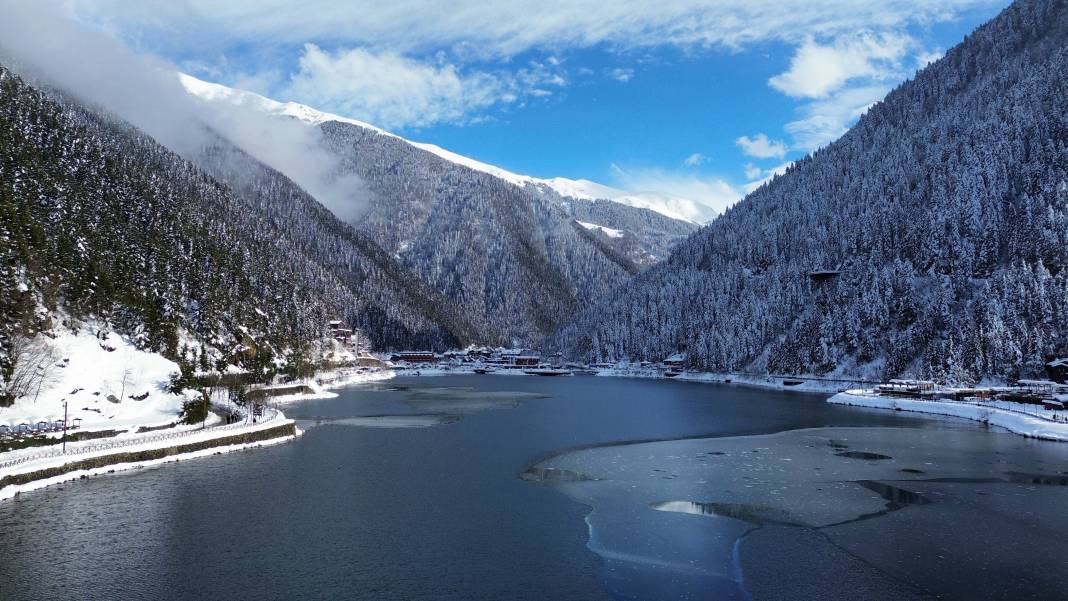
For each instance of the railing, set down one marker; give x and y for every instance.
(269, 415)
(1050, 415)
(1023, 409)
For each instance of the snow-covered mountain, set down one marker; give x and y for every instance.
(508, 250)
(675, 207)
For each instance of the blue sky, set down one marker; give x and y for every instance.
(697, 98)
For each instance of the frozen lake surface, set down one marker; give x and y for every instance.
(492, 488)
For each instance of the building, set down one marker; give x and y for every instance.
(1057, 370)
(414, 357)
(907, 388)
(515, 358)
(339, 332)
(676, 361)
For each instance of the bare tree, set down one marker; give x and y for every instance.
(127, 373)
(34, 360)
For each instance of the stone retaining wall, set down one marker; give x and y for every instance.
(288, 429)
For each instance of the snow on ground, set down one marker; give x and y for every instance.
(1015, 421)
(323, 382)
(611, 233)
(86, 371)
(35, 459)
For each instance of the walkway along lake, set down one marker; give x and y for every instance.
(492, 488)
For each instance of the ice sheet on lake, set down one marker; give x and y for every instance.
(396, 421)
(464, 400)
(434, 406)
(679, 508)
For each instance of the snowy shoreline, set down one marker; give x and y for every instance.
(748, 381)
(20, 463)
(322, 385)
(1016, 422)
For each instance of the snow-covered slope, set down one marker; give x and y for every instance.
(106, 380)
(676, 207)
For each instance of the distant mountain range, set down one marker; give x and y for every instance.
(930, 240)
(510, 251)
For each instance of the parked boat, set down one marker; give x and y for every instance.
(671, 373)
(484, 370)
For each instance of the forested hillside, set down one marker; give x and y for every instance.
(100, 222)
(394, 306)
(506, 251)
(512, 258)
(930, 240)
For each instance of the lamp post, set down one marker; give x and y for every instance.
(64, 426)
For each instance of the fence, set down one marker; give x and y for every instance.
(269, 415)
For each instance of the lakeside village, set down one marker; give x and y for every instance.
(110, 406)
(348, 357)
(1031, 407)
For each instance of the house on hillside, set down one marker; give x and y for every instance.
(339, 332)
(1057, 370)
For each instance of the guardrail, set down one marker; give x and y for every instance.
(270, 414)
(1050, 415)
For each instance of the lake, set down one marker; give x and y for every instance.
(494, 487)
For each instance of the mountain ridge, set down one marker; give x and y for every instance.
(675, 207)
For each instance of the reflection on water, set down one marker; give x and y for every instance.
(435, 406)
(395, 421)
(864, 455)
(550, 474)
(1042, 479)
(754, 514)
(897, 497)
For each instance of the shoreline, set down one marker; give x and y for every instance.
(1017, 422)
(321, 385)
(37, 473)
(39, 467)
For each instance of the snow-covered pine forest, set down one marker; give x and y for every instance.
(940, 222)
(512, 257)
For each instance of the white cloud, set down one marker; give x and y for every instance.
(694, 160)
(761, 147)
(436, 45)
(394, 91)
(926, 57)
(817, 70)
(824, 121)
(147, 92)
(390, 90)
(623, 75)
(504, 29)
(700, 199)
(841, 79)
(765, 175)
